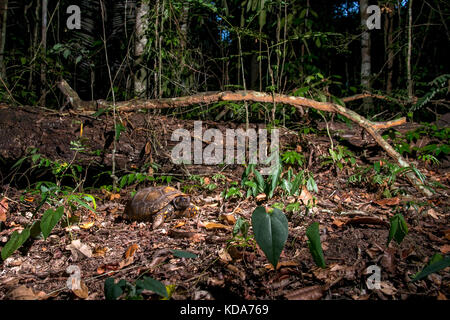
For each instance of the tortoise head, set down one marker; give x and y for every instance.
(181, 202)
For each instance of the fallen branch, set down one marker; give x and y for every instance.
(212, 97)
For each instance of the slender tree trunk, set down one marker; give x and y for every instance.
(366, 64)
(44, 52)
(140, 76)
(3, 15)
(408, 59)
(390, 48)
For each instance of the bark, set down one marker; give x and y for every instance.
(44, 51)
(366, 64)
(408, 61)
(373, 128)
(3, 16)
(390, 48)
(140, 76)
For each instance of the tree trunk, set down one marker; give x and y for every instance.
(390, 48)
(366, 64)
(140, 76)
(3, 15)
(408, 59)
(44, 52)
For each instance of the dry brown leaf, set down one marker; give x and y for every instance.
(82, 292)
(100, 251)
(387, 288)
(180, 224)
(298, 148)
(3, 209)
(214, 225)
(367, 220)
(445, 248)
(224, 256)
(433, 214)
(228, 219)
(114, 196)
(148, 148)
(338, 222)
(388, 260)
(76, 247)
(206, 181)
(23, 293)
(388, 202)
(305, 196)
(441, 296)
(131, 250)
(308, 293)
(87, 225)
(447, 234)
(261, 197)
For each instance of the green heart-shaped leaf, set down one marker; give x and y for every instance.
(50, 219)
(271, 232)
(17, 239)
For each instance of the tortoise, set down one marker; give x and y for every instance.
(158, 203)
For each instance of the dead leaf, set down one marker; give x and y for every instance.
(308, 293)
(114, 196)
(298, 148)
(24, 293)
(228, 219)
(367, 220)
(261, 197)
(87, 225)
(148, 148)
(224, 256)
(445, 248)
(100, 251)
(76, 247)
(388, 260)
(283, 264)
(447, 234)
(81, 292)
(213, 225)
(206, 181)
(388, 202)
(432, 213)
(338, 222)
(3, 209)
(441, 296)
(305, 196)
(387, 288)
(180, 224)
(131, 250)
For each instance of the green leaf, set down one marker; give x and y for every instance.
(275, 177)
(113, 290)
(259, 181)
(242, 226)
(271, 232)
(50, 219)
(153, 285)
(17, 239)
(432, 268)
(184, 254)
(315, 247)
(398, 230)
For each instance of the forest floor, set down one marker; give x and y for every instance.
(354, 228)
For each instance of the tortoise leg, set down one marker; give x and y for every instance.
(162, 215)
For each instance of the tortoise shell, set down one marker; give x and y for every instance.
(149, 201)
